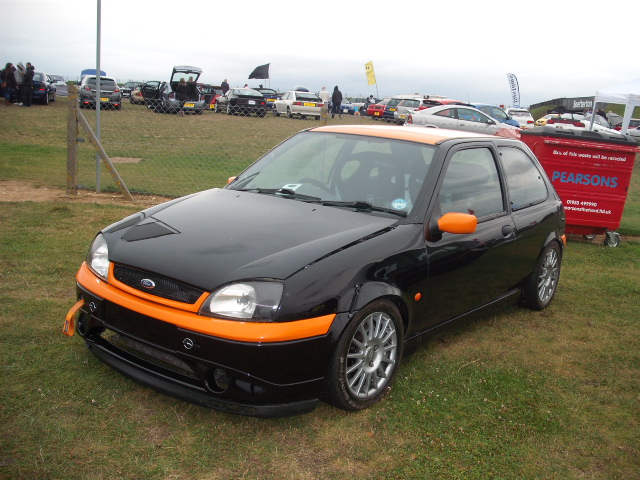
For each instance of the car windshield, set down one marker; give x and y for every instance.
(368, 174)
(247, 92)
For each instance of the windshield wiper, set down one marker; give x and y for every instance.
(285, 192)
(362, 206)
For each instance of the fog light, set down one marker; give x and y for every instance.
(220, 382)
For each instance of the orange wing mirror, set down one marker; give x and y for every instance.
(454, 222)
(231, 179)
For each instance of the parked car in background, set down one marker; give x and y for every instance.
(497, 113)
(458, 117)
(210, 94)
(296, 102)
(541, 122)
(270, 96)
(522, 116)
(347, 108)
(151, 93)
(634, 129)
(108, 93)
(136, 97)
(358, 102)
(392, 106)
(128, 87)
(242, 101)
(405, 107)
(434, 102)
(376, 110)
(44, 88)
(62, 89)
(362, 103)
(165, 97)
(573, 121)
(615, 120)
(319, 267)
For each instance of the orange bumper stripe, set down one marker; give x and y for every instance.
(229, 329)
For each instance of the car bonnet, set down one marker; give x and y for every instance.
(219, 236)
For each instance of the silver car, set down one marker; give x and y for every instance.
(456, 117)
(297, 102)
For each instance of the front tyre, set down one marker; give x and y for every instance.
(366, 357)
(543, 282)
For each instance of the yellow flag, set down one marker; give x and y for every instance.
(371, 76)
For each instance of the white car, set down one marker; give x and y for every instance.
(459, 117)
(300, 103)
(576, 121)
(61, 86)
(522, 116)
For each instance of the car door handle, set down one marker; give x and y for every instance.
(507, 231)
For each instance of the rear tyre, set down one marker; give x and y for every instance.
(289, 114)
(542, 285)
(366, 358)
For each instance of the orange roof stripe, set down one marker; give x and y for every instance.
(430, 136)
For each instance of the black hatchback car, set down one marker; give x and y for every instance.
(316, 269)
(242, 101)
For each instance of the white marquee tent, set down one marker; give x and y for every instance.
(627, 94)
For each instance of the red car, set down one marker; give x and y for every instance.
(434, 102)
(376, 110)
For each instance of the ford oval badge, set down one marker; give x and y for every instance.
(148, 283)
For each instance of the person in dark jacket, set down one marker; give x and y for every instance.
(8, 83)
(224, 86)
(336, 101)
(27, 85)
(182, 93)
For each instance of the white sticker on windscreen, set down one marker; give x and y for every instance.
(399, 204)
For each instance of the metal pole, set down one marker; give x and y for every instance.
(98, 94)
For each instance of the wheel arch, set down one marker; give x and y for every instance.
(369, 292)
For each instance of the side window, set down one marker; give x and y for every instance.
(469, 115)
(524, 181)
(471, 184)
(499, 114)
(449, 112)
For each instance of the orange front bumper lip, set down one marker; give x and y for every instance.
(252, 332)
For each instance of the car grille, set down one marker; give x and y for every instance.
(148, 354)
(164, 287)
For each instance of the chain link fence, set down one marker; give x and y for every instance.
(173, 152)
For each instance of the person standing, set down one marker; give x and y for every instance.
(182, 94)
(336, 101)
(8, 83)
(325, 97)
(224, 86)
(27, 85)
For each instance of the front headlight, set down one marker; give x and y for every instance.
(98, 257)
(253, 301)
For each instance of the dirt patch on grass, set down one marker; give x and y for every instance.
(24, 191)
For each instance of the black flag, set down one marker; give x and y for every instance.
(260, 72)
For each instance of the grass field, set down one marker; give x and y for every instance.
(514, 395)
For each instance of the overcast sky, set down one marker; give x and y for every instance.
(461, 49)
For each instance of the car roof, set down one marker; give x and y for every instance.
(431, 136)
